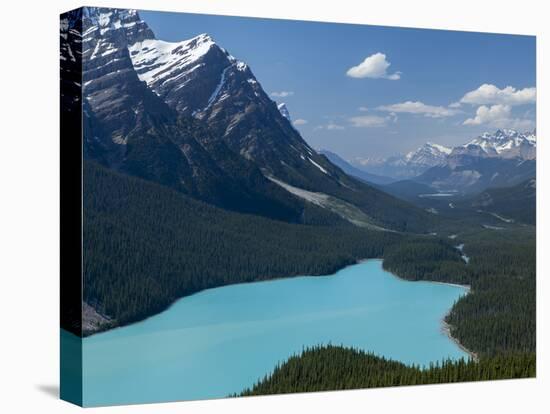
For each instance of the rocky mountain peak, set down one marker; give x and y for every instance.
(126, 25)
(503, 143)
(429, 154)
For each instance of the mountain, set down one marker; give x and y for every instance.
(504, 143)
(130, 128)
(428, 155)
(191, 116)
(200, 79)
(500, 159)
(517, 203)
(353, 171)
(475, 174)
(406, 166)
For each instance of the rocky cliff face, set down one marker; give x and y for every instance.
(199, 78)
(128, 127)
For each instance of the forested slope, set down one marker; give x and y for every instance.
(328, 368)
(499, 314)
(146, 245)
(139, 270)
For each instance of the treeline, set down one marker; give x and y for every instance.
(325, 368)
(146, 245)
(499, 314)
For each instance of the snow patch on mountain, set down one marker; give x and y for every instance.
(428, 154)
(504, 143)
(284, 110)
(216, 92)
(156, 60)
(318, 166)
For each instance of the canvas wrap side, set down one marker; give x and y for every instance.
(71, 206)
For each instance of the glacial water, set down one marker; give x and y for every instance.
(222, 340)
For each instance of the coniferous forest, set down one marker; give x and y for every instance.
(132, 272)
(326, 368)
(182, 246)
(496, 321)
(140, 270)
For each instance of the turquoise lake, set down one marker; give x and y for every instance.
(220, 341)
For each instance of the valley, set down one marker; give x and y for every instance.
(197, 184)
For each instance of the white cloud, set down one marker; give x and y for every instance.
(331, 126)
(375, 67)
(363, 108)
(282, 94)
(369, 121)
(499, 116)
(486, 115)
(300, 121)
(455, 105)
(417, 107)
(488, 94)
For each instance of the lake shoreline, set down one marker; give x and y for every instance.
(446, 329)
(107, 328)
(260, 325)
(445, 326)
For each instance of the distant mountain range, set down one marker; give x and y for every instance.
(354, 171)
(190, 116)
(405, 166)
(475, 174)
(504, 143)
(503, 158)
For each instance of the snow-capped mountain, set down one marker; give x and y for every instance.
(199, 78)
(183, 73)
(113, 92)
(500, 159)
(406, 166)
(190, 116)
(504, 143)
(130, 128)
(429, 154)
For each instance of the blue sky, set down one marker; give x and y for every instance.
(344, 96)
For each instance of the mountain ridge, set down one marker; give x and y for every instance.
(499, 159)
(224, 146)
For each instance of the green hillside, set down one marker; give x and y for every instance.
(336, 368)
(146, 245)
